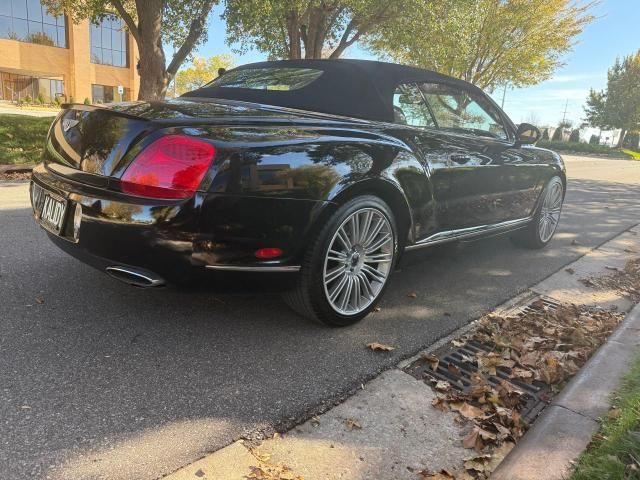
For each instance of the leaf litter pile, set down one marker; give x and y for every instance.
(540, 344)
(626, 280)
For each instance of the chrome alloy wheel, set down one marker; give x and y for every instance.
(550, 211)
(358, 261)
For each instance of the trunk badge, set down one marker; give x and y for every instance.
(68, 124)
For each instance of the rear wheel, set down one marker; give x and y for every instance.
(347, 268)
(546, 218)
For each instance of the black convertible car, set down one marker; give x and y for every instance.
(323, 169)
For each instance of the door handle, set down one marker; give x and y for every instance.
(459, 157)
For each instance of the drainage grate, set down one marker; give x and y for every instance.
(540, 302)
(535, 395)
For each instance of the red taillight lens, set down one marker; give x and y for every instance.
(270, 252)
(171, 167)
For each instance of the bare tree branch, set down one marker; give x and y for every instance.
(131, 24)
(195, 30)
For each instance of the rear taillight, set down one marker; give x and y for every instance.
(171, 167)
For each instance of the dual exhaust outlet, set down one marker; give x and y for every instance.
(135, 277)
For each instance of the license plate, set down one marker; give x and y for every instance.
(49, 208)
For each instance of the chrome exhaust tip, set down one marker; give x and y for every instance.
(138, 278)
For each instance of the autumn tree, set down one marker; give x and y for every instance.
(618, 106)
(152, 24)
(489, 43)
(293, 29)
(200, 72)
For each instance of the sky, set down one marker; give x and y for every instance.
(616, 32)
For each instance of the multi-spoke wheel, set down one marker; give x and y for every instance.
(347, 268)
(546, 218)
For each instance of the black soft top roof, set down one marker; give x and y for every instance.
(353, 88)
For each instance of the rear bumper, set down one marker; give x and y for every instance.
(178, 240)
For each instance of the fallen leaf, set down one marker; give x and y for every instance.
(432, 359)
(442, 386)
(613, 413)
(39, 300)
(441, 475)
(575, 242)
(375, 346)
(466, 410)
(570, 270)
(454, 370)
(199, 473)
(412, 295)
(352, 424)
(458, 343)
(471, 439)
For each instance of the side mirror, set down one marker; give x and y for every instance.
(527, 134)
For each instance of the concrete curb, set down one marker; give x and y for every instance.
(565, 428)
(19, 168)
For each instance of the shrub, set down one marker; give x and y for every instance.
(545, 134)
(71, 99)
(575, 136)
(581, 148)
(594, 140)
(86, 101)
(27, 99)
(41, 98)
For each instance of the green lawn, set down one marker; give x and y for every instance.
(634, 155)
(22, 138)
(615, 453)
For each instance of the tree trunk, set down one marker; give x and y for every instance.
(293, 32)
(151, 67)
(623, 134)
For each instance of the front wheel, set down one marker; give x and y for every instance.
(545, 219)
(347, 267)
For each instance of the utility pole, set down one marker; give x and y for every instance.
(504, 94)
(564, 115)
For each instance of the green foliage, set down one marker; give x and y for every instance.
(27, 99)
(22, 138)
(581, 148)
(486, 42)
(309, 28)
(575, 136)
(615, 452)
(545, 134)
(618, 106)
(86, 101)
(41, 98)
(201, 72)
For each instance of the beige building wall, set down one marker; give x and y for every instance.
(72, 64)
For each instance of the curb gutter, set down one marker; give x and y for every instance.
(565, 428)
(19, 168)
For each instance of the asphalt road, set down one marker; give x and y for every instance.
(101, 379)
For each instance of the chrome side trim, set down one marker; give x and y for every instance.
(265, 268)
(452, 235)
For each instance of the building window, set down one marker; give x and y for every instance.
(108, 94)
(15, 88)
(29, 21)
(109, 42)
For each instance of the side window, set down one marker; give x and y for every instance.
(457, 110)
(409, 107)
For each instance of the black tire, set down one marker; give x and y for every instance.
(309, 297)
(532, 237)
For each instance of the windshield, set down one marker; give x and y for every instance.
(285, 79)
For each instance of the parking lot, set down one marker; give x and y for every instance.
(99, 376)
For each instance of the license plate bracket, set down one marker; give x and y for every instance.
(49, 209)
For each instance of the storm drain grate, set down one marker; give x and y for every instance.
(535, 395)
(537, 304)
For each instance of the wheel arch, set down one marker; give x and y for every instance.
(391, 195)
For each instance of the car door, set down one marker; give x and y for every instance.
(471, 159)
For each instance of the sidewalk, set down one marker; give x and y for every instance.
(389, 430)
